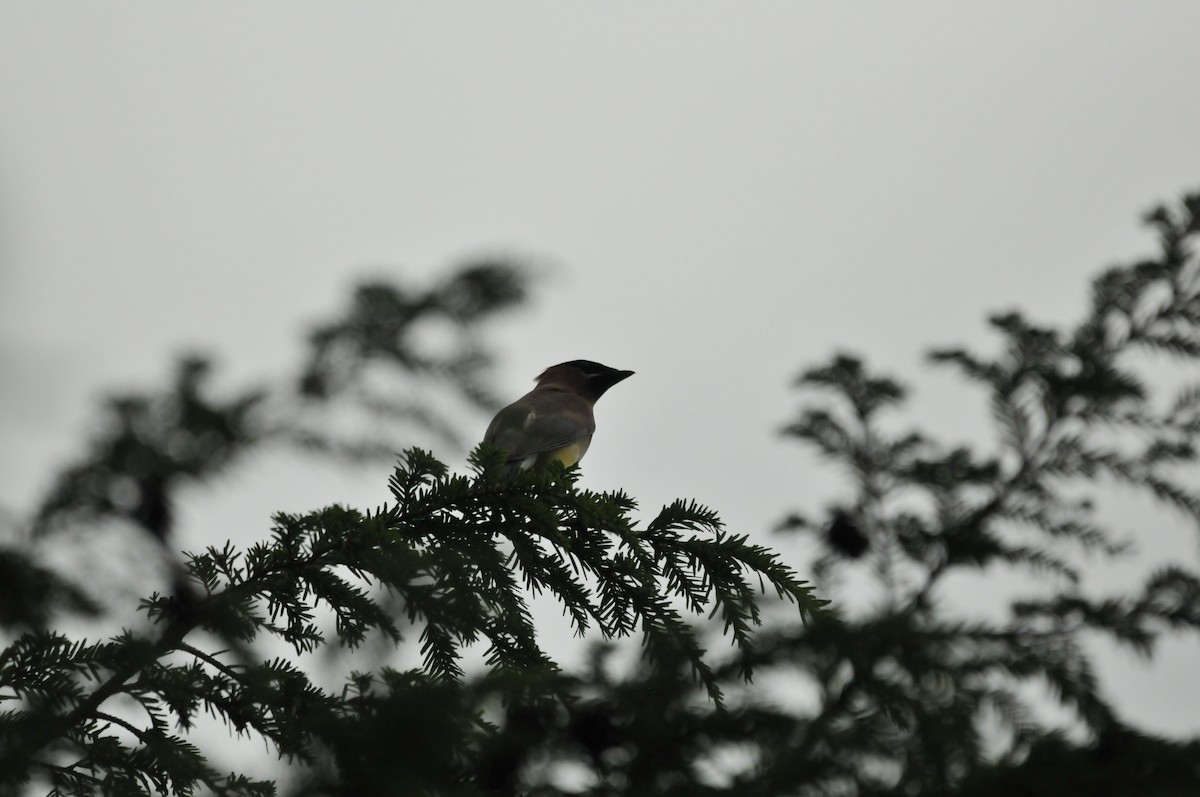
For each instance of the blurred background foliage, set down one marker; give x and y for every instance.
(900, 692)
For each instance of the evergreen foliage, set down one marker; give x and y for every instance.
(458, 557)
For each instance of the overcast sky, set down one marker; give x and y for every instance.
(717, 194)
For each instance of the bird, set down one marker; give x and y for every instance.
(554, 421)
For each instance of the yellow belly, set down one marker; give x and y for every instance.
(568, 455)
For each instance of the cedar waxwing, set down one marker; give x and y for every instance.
(553, 421)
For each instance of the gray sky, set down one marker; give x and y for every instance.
(721, 194)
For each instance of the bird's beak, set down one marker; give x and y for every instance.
(608, 379)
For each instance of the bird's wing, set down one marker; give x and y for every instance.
(527, 427)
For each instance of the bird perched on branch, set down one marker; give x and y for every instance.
(553, 421)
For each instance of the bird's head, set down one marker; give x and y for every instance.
(588, 379)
